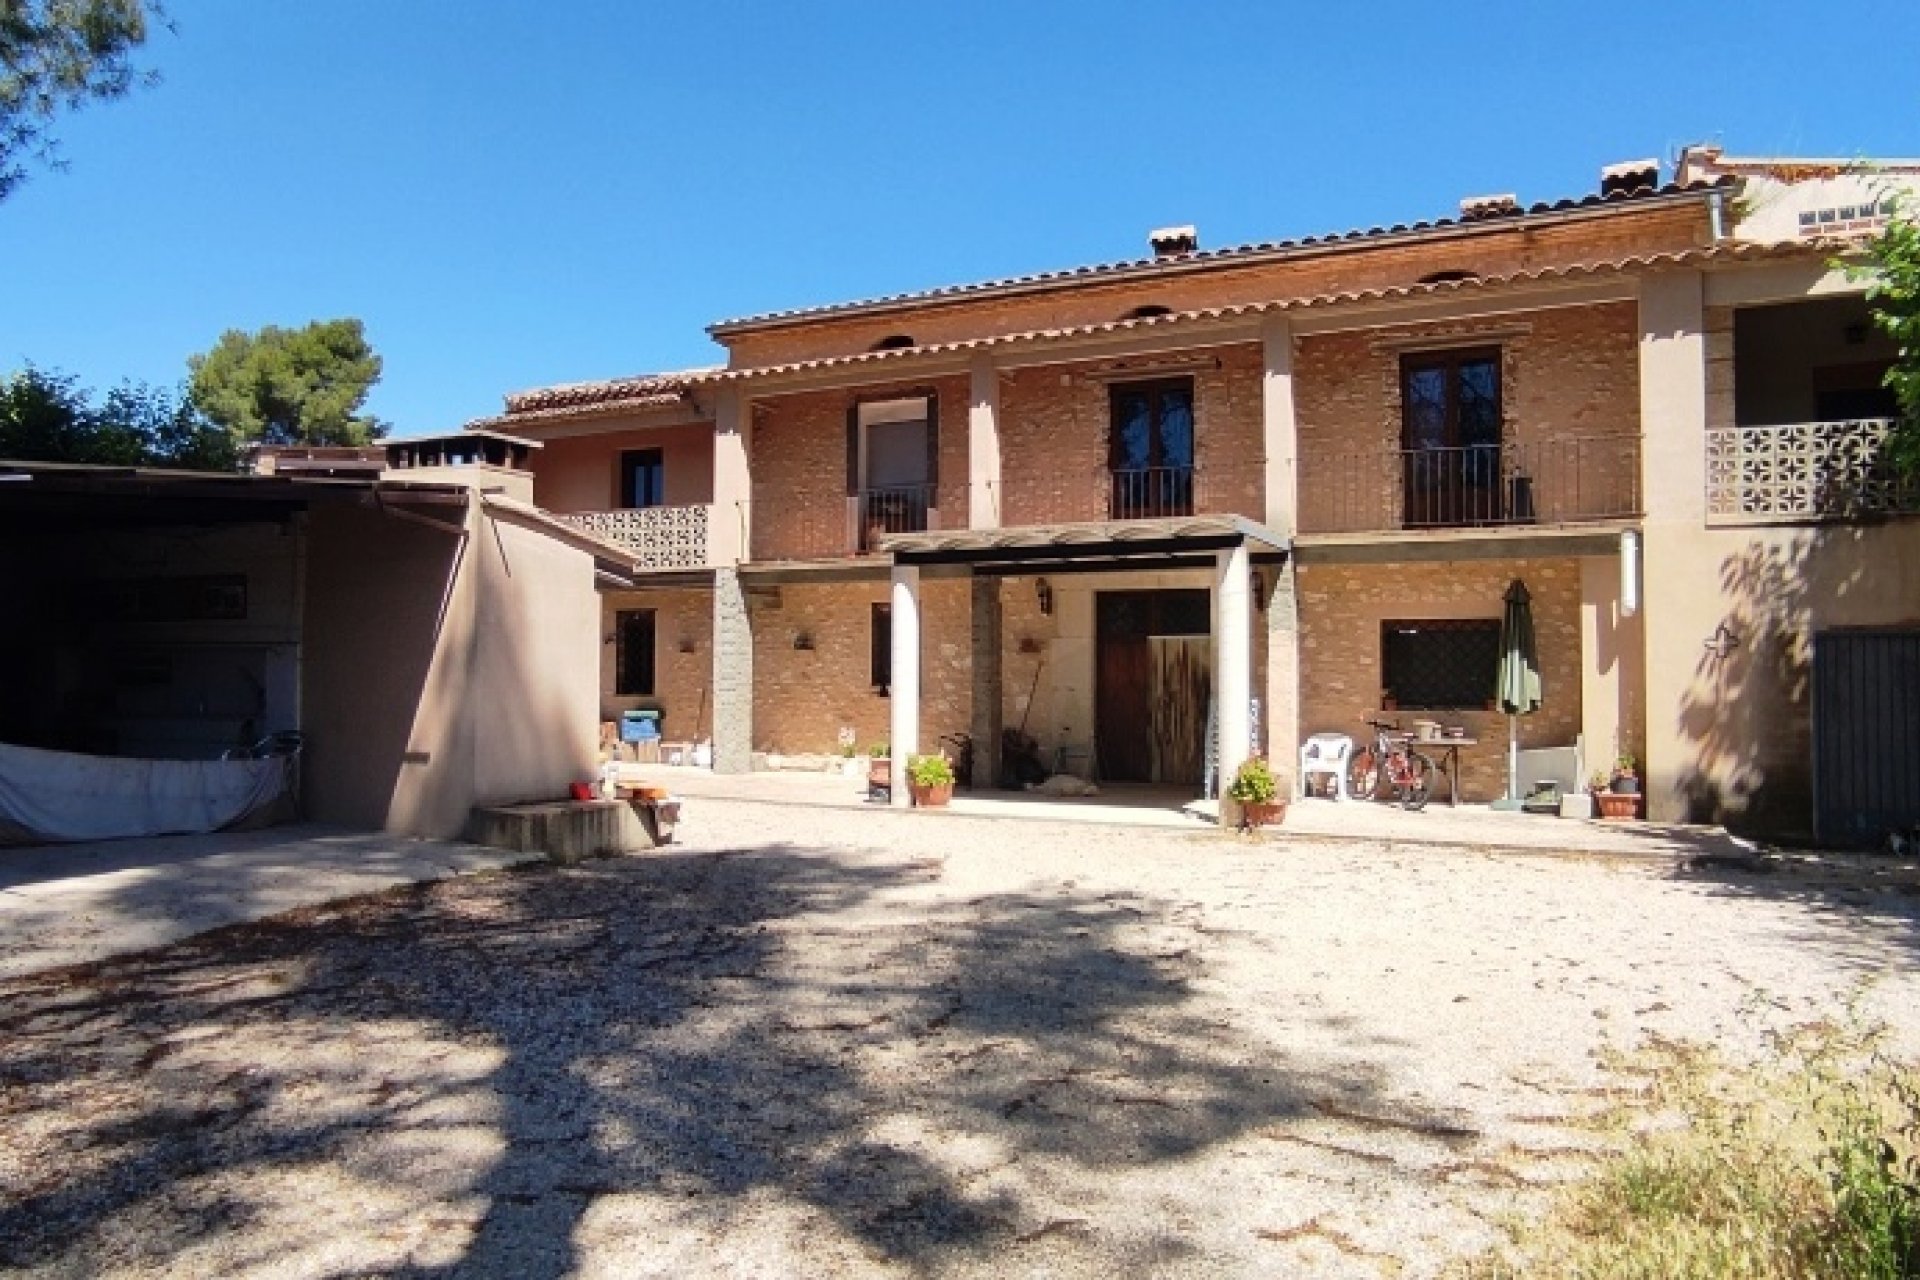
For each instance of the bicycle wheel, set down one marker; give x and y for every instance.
(1363, 775)
(1417, 783)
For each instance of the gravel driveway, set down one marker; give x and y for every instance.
(813, 1042)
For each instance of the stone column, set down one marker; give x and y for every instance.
(983, 446)
(905, 691)
(987, 701)
(1680, 594)
(1233, 665)
(1279, 434)
(1283, 671)
(730, 540)
(732, 674)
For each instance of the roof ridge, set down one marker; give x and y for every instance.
(1223, 255)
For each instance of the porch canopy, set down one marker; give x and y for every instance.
(1228, 545)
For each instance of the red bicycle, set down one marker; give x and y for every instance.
(1390, 760)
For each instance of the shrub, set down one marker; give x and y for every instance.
(1254, 783)
(930, 771)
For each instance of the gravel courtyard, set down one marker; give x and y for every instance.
(810, 1042)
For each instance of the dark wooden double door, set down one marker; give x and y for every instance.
(1152, 682)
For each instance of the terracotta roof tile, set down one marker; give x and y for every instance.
(1224, 255)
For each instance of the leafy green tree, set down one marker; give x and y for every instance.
(47, 417)
(1895, 297)
(290, 386)
(58, 55)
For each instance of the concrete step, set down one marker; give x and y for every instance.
(566, 831)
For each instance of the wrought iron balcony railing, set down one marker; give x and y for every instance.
(1805, 471)
(850, 526)
(1562, 480)
(659, 537)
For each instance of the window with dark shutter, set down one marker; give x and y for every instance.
(1440, 664)
(880, 654)
(633, 653)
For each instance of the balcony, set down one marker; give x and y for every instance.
(1565, 480)
(660, 538)
(1150, 493)
(1804, 472)
(847, 527)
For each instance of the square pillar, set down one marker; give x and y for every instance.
(1283, 671)
(983, 445)
(1232, 666)
(1279, 432)
(1681, 600)
(905, 690)
(732, 674)
(987, 708)
(730, 536)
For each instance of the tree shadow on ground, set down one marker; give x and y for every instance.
(706, 1030)
(1859, 905)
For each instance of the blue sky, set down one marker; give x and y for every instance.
(516, 194)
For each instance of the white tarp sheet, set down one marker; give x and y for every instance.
(48, 796)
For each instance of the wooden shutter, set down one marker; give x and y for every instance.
(853, 449)
(933, 442)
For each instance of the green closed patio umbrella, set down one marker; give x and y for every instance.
(1517, 688)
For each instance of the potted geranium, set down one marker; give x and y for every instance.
(1256, 790)
(930, 779)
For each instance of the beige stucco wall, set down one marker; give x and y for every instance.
(1728, 736)
(443, 669)
(582, 473)
(390, 620)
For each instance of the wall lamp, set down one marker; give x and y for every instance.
(1044, 591)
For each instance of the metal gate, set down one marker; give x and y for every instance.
(1866, 734)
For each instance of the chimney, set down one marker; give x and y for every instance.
(1489, 206)
(1629, 176)
(1172, 242)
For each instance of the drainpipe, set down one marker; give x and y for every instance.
(1717, 215)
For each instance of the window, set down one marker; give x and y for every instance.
(643, 478)
(1439, 665)
(1150, 448)
(1450, 435)
(893, 465)
(633, 653)
(880, 653)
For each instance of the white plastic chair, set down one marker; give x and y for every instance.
(1326, 753)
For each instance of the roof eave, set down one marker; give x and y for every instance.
(1218, 260)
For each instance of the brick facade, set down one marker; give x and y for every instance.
(802, 697)
(1343, 605)
(799, 463)
(1569, 373)
(1493, 250)
(682, 659)
(1054, 427)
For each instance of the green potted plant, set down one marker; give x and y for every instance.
(1625, 780)
(1256, 789)
(930, 779)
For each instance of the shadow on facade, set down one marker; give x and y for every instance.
(1747, 712)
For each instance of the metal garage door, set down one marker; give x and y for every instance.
(1866, 734)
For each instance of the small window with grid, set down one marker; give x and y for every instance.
(1440, 664)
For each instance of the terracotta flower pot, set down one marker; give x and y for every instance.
(934, 797)
(879, 772)
(1614, 804)
(1271, 814)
